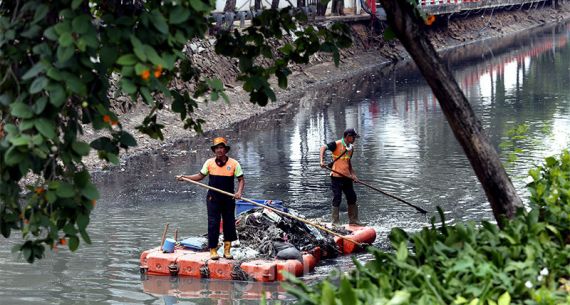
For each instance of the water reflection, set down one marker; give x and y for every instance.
(176, 290)
(406, 148)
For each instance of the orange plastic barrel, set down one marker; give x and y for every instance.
(158, 263)
(292, 266)
(260, 270)
(309, 262)
(220, 269)
(191, 263)
(363, 235)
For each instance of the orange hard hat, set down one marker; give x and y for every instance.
(220, 141)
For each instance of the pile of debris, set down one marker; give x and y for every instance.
(278, 236)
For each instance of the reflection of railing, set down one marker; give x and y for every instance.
(422, 99)
(497, 65)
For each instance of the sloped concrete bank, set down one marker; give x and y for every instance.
(310, 85)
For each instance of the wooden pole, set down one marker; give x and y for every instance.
(272, 209)
(380, 191)
(163, 235)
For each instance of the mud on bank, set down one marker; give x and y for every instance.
(368, 53)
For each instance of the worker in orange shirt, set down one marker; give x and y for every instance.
(342, 176)
(222, 170)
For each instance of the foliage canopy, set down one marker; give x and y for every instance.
(59, 61)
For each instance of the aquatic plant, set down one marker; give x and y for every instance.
(525, 262)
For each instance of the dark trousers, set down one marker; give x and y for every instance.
(221, 209)
(340, 185)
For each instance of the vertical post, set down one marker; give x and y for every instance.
(163, 235)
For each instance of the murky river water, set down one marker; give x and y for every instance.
(406, 149)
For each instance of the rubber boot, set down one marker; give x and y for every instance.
(214, 254)
(353, 215)
(335, 216)
(227, 246)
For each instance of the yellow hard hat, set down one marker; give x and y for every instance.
(220, 141)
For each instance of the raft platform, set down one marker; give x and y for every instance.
(197, 264)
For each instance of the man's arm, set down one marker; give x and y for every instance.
(322, 156)
(195, 177)
(352, 173)
(241, 185)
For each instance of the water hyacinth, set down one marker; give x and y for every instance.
(468, 263)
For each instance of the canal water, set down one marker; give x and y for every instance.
(406, 149)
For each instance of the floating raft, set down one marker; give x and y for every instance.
(197, 264)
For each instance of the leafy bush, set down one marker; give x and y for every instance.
(550, 192)
(527, 262)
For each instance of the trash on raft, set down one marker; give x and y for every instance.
(269, 243)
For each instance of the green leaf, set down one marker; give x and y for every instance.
(158, 21)
(400, 297)
(81, 24)
(34, 70)
(13, 156)
(346, 292)
(65, 190)
(57, 95)
(50, 34)
(128, 86)
(505, 299)
(82, 221)
(46, 128)
(85, 236)
(81, 179)
(216, 84)
(402, 253)
(54, 74)
(75, 4)
(22, 140)
(327, 294)
(127, 60)
(64, 53)
(178, 15)
(126, 139)
(200, 6)
(145, 92)
(75, 84)
(73, 243)
(40, 104)
(81, 148)
(138, 48)
(38, 84)
(113, 158)
(21, 110)
(151, 54)
(90, 192)
(108, 56)
(6, 99)
(41, 11)
(140, 68)
(65, 39)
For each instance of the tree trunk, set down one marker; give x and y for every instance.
(274, 4)
(257, 5)
(230, 6)
(322, 7)
(500, 192)
(337, 7)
